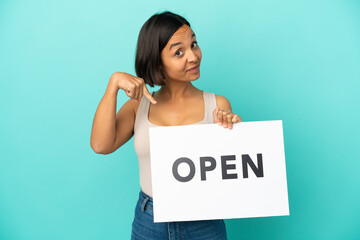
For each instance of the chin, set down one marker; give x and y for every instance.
(193, 79)
(197, 77)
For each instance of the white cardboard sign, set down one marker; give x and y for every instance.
(204, 171)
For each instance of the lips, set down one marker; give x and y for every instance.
(193, 68)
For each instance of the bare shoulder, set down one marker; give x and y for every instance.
(135, 104)
(132, 105)
(124, 124)
(222, 102)
(127, 114)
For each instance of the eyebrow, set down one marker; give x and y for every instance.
(175, 44)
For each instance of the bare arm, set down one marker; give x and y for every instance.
(223, 114)
(103, 128)
(223, 103)
(110, 130)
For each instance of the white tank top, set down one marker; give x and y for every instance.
(141, 136)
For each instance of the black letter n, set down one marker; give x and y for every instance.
(246, 160)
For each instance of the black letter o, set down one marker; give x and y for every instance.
(176, 173)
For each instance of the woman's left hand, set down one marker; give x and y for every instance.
(225, 118)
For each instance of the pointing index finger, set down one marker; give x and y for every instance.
(148, 95)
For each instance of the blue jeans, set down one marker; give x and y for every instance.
(144, 228)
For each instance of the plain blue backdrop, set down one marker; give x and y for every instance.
(296, 61)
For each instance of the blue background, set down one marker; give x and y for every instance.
(296, 61)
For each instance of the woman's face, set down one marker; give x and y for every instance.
(181, 54)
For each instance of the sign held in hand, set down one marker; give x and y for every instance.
(202, 172)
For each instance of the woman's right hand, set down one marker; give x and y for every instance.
(134, 87)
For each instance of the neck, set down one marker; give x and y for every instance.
(175, 90)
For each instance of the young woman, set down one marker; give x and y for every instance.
(168, 56)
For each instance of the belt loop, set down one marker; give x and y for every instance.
(144, 204)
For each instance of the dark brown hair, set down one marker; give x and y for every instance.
(153, 37)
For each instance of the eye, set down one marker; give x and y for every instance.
(177, 53)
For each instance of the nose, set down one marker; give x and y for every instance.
(193, 56)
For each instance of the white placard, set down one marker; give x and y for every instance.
(206, 171)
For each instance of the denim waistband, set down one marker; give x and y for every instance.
(145, 201)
